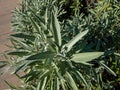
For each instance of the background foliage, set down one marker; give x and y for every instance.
(66, 45)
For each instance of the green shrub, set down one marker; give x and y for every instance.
(55, 53)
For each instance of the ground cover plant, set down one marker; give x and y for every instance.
(66, 45)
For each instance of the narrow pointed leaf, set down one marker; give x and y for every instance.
(82, 79)
(19, 66)
(18, 53)
(22, 65)
(78, 37)
(51, 85)
(44, 74)
(3, 63)
(37, 28)
(10, 85)
(35, 25)
(38, 86)
(24, 36)
(23, 45)
(5, 70)
(41, 22)
(71, 81)
(85, 57)
(56, 29)
(62, 80)
(43, 55)
(63, 84)
(46, 18)
(117, 54)
(107, 68)
(56, 84)
(43, 83)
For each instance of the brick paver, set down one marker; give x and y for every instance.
(6, 6)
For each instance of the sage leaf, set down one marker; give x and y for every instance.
(107, 68)
(78, 37)
(86, 57)
(43, 55)
(71, 81)
(56, 29)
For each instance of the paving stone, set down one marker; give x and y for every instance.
(6, 7)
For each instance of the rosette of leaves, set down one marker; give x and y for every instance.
(45, 50)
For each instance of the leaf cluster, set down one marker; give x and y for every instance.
(65, 54)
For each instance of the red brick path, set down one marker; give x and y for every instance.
(6, 6)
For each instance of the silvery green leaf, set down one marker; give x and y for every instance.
(23, 44)
(24, 36)
(78, 37)
(56, 84)
(107, 68)
(117, 54)
(81, 78)
(42, 55)
(43, 84)
(46, 17)
(38, 86)
(71, 81)
(56, 29)
(18, 53)
(85, 57)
